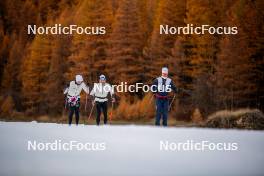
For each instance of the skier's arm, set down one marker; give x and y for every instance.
(174, 88)
(111, 91)
(92, 92)
(66, 90)
(155, 85)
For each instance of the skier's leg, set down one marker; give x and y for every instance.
(104, 107)
(71, 111)
(158, 112)
(77, 116)
(98, 112)
(165, 112)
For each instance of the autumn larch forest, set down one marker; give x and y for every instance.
(221, 71)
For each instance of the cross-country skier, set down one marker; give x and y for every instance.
(100, 92)
(162, 86)
(73, 97)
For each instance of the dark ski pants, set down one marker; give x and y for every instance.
(74, 110)
(162, 106)
(101, 106)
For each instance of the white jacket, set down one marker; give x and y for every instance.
(100, 91)
(75, 89)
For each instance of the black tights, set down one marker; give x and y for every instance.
(73, 110)
(101, 106)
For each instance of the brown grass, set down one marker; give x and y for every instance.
(241, 118)
(141, 109)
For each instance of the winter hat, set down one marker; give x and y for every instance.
(102, 77)
(164, 70)
(78, 78)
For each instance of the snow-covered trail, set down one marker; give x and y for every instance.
(130, 150)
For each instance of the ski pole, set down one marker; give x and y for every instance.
(151, 98)
(65, 104)
(111, 113)
(172, 101)
(91, 112)
(85, 108)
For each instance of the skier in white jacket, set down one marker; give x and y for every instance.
(73, 97)
(100, 92)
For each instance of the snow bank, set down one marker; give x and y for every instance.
(130, 150)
